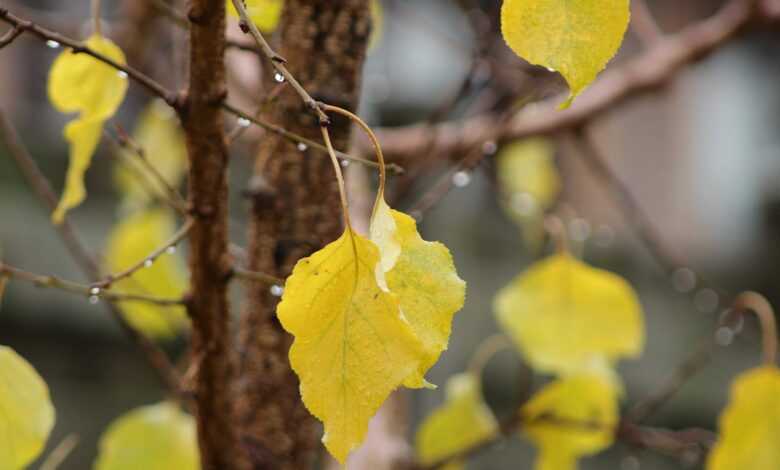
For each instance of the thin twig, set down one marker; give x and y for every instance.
(57, 456)
(81, 289)
(278, 62)
(257, 276)
(156, 89)
(643, 23)
(758, 304)
(180, 235)
(126, 141)
(9, 37)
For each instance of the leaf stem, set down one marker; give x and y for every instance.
(488, 348)
(96, 4)
(339, 176)
(758, 304)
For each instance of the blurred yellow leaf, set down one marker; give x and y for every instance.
(81, 83)
(159, 134)
(154, 437)
(131, 241)
(352, 346)
(564, 315)
(529, 184)
(575, 38)
(750, 424)
(423, 276)
(26, 410)
(570, 418)
(264, 13)
(463, 421)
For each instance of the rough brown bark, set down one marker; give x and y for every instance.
(209, 262)
(295, 211)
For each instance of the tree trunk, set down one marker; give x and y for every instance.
(210, 265)
(295, 211)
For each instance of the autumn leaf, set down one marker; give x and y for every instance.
(155, 437)
(423, 276)
(130, 242)
(565, 315)
(750, 424)
(80, 83)
(463, 421)
(529, 184)
(159, 134)
(26, 410)
(264, 13)
(570, 418)
(575, 38)
(352, 346)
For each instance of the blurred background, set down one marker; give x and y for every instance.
(701, 155)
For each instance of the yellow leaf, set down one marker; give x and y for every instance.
(264, 13)
(130, 242)
(564, 315)
(575, 38)
(750, 425)
(81, 83)
(570, 418)
(159, 134)
(83, 136)
(530, 184)
(423, 276)
(352, 347)
(155, 437)
(463, 421)
(26, 410)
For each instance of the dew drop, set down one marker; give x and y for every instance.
(461, 179)
(724, 336)
(683, 280)
(276, 290)
(94, 291)
(93, 299)
(148, 263)
(52, 44)
(279, 77)
(524, 204)
(243, 122)
(302, 147)
(122, 74)
(344, 163)
(490, 147)
(171, 250)
(579, 229)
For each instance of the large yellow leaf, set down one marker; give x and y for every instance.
(159, 134)
(352, 346)
(575, 38)
(155, 437)
(264, 13)
(130, 242)
(423, 276)
(81, 83)
(26, 411)
(570, 418)
(463, 421)
(750, 425)
(565, 315)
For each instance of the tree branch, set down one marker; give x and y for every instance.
(650, 70)
(210, 261)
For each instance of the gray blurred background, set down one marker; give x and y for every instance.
(702, 156)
